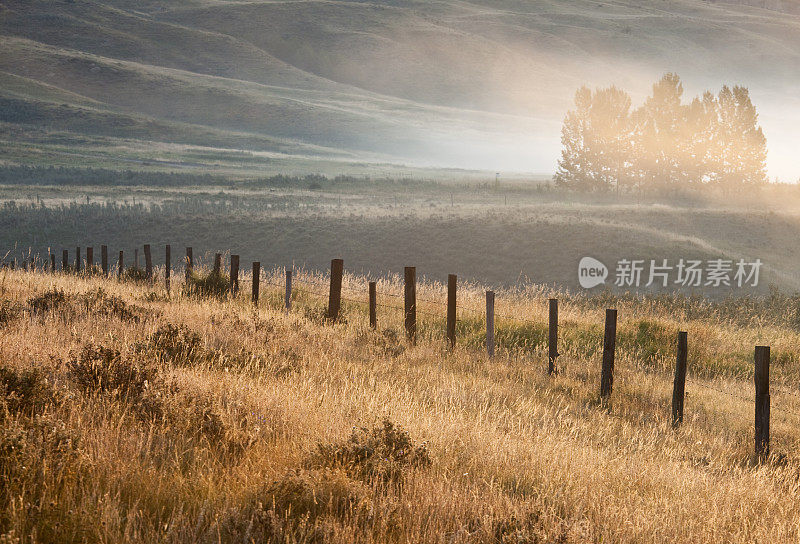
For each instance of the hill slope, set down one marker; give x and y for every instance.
(475, 84)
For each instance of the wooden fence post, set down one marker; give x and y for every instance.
(104, 259)
(452, 281)
(120, 266)
(217, 264)
(335, 293)
(373, 305)
(78, 260)
(167, 266)
(490, 323)
(52, 263)
(148, 262)
(287, 295)
(609, 345)
(410, 303)
(256, 281)
(64, 260)
(189, 262)
(234, 275)
(762, 400)
(89, 260)
(552, 337)
(679, 385)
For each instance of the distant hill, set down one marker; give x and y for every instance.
(479, 84)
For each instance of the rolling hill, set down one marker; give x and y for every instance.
(470, 84)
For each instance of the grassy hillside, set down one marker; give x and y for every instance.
(131, 415)
(468, 84)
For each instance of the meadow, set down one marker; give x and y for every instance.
(131, 414)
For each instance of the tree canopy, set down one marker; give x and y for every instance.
(665, 143)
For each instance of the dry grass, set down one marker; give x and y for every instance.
(212, 421)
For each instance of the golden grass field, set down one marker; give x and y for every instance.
(130, 415)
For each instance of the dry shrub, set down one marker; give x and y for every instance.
(178, 345)
(134, 274)
(100, 301)
(378, 455)
(310, 494)
(105, 370)
(211, 285)
(53, 300)
(25, 391)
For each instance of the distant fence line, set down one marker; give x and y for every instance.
(410, 310)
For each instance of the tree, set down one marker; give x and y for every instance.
(595, 141)
(741, 150)
(658, 145)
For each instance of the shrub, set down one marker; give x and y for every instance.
(9, 312)
(177, 344)
(134, 274)
(381, 454)
(100, 301)
(25, 391)
(102, 369)
(49, 301)
(213, 284)
(303, 493)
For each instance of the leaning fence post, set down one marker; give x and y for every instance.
(89, 260)
(410, 300)
(256, 281)
(552, 337)
(64, 260)
(609, 344)
(452, 281)
(167, 266)
(373, 305)
(148, 262)
(77, 260)
(287, 295)
(762, 400)
(120, 265)
(189, 262)
(234, 275)
(104, 259)
(679, 385)
(335, 293)
(490, 323)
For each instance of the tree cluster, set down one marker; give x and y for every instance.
(664, 144)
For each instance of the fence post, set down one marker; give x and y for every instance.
(287, 296)
(189, 262)
(256, 280)
(64, 260)
(148, 262)
(410, 303)
(120, 265)
(104, 259)
(452, 281)
(609, 344)
(52, 263)
(373, 305)
(234, 275)
(490, 323)
(335, 293)
(89, 259)
(679, 386)
(78, 260)
(552, 337)
(762, 400)
(167, 266)
(217, 264)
